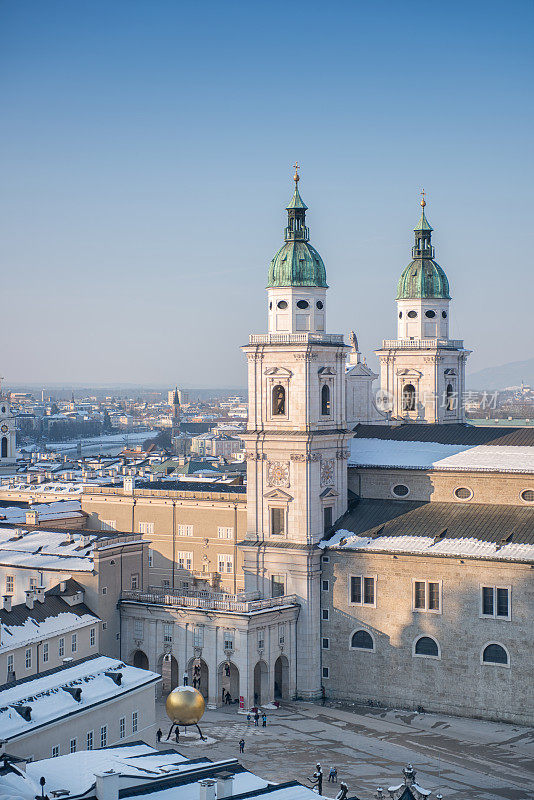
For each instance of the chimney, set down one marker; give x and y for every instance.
(30, 597)
(225, 785)
(107, 785)
(7, 602)
(39, 593)
(207, 789)
(62, 586)
(32, 517)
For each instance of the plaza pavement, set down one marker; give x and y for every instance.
(464, 759)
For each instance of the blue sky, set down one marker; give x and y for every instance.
(146, 151)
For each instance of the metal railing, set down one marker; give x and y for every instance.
(295, 338)
(215, 602)
(416, 344)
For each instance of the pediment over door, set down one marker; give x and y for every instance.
(280, 372)
(278, 494)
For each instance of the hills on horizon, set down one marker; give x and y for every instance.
(510, 374)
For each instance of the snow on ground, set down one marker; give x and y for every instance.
(431, 455)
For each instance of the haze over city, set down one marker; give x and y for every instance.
(146, 164)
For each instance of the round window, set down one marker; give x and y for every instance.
(282, 304)
(430, 314)
(400, 490)
(463, 493)
(319, 304)
(302, 304)
(400, 314)
(412, 314)
(528, 495)
(444, 314)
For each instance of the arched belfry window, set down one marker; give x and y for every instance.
(449, 397)
(408, 397)
(279, 401)
(4, 446)
(325, 400)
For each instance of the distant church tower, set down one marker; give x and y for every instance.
(296, 439)
(8, 435)
(422, 371)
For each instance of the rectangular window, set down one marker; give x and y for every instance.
(104, 626)
(225, 533)
(135, 715)
(325, 586)
(138, 628)
(228, 640)
(104, 590)
(167, 632)
(327, 518)
(74, 642)
(73, 745)
(261, 639)
(362, 590)
(34, 583)
(225, 562)
(135, 580)
(495, 602)
(278, 585)
(104, 736)
(185, 530)
(146, 527)
(325, 614)
(89, 740)
(122, 728)
(10, 584)
(185, 560)
(45, 652)
(28, 658)
(108, 524)
(427, 596)
(326, 643)
(278, 519)
(55, 751)
(10, 667)
(326, 672)
(61, 647)
(92, 637)
(198, 636)
(150, 557)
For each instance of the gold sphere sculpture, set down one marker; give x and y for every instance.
(185, 705)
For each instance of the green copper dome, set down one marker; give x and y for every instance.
(423, 277)
(297, 263)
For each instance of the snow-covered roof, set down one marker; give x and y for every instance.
(434, 455)
(40, 549)
(32, 630)
(45, 511)
(48, 700)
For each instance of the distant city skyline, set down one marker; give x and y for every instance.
(146, 164)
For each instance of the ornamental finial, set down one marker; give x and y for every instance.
(423, 201)
(296, 176)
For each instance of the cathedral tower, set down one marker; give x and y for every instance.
(8, 436)
(423, 370)
(296, 439)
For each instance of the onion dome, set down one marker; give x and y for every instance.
(423, 277)
(297, 263)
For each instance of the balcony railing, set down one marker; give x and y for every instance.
(215, 602)
(296, 338)
(420, 344)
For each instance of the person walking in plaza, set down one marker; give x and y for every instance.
(159, 734)
(332, 775)
(248, 720)
(256, 718)
(264, 720)
(241, 745)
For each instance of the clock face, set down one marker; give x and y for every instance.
(4, 429)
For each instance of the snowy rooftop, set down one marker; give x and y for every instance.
(40, 549)
(46, 511)
(159, 775)
(434, 455)
(49, 700)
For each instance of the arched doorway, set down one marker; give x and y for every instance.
(261, 683)
(168, 669)
(281, 678)
(140, 659)
(228, 679)
(202, 673)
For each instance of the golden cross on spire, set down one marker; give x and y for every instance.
(423, 201)
(296, 176)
